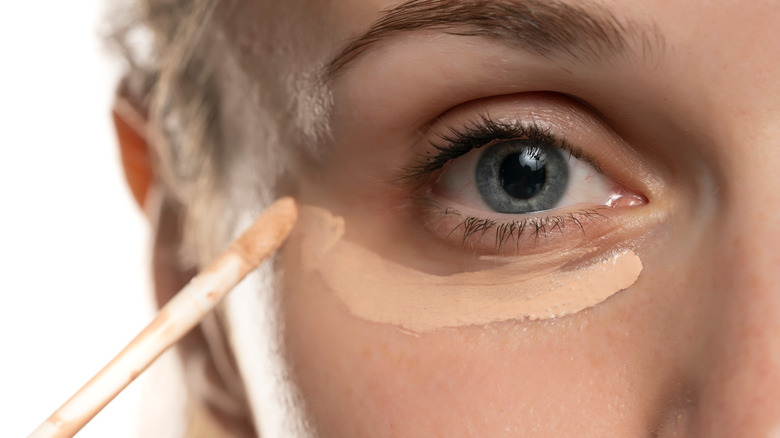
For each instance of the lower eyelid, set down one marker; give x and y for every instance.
(524, 235)
(506, 236)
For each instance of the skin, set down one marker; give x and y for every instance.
(691, 349)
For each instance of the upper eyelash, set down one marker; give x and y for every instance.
(482, 132)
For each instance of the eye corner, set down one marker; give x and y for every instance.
(623, 197)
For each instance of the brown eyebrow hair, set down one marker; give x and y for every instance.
(584, 32)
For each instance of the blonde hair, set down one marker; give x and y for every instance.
(175, 74)
(170, 77)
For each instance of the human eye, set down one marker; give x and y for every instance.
(499, 183)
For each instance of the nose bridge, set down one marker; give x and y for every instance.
(750, 201)
(740, 373)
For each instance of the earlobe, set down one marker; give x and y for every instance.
(130, 128)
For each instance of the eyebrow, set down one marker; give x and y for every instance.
(585, 32)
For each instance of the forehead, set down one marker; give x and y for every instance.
(733, 45)
(268, 28)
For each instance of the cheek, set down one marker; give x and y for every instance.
(598, 370)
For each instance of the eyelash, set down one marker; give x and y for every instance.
(483, 132)
(506, 231)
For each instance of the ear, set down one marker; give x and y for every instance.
(216, 402)
(131, 126)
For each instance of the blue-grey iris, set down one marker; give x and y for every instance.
(519, 176)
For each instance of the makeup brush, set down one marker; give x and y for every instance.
(180, 315)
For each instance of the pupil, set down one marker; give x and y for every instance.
(523, 174)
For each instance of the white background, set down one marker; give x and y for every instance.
(73, 246)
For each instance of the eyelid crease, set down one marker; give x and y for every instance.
(482, 132)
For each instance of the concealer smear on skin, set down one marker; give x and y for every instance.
(385, 291)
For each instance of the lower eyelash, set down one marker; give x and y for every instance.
(507, 231)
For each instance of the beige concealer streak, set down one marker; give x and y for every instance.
(383, 291)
